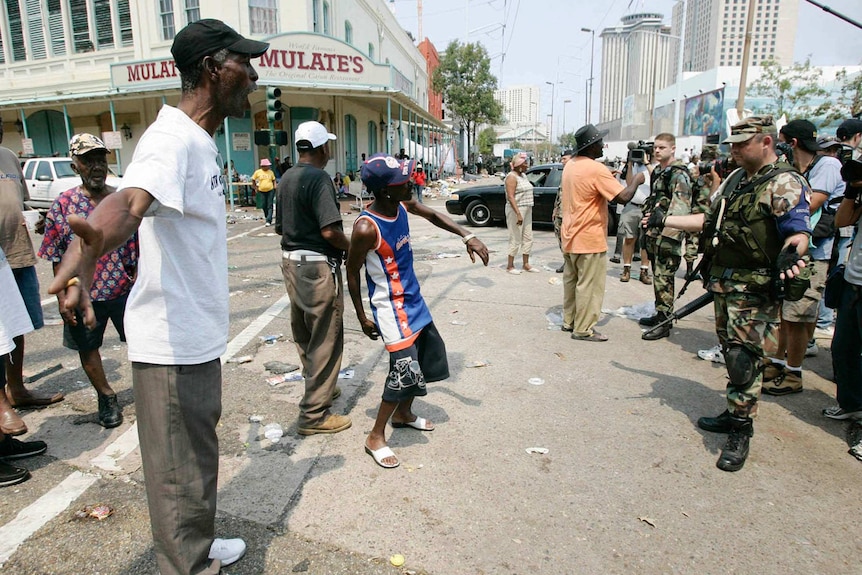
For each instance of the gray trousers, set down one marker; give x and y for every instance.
(316, 293)
(178, 407)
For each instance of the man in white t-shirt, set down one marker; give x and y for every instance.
(177, 313)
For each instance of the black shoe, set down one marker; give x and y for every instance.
(567, 328)
(652, 320)
(735, 451)
(615, 259)
(636, 258)
(10, 475)
(560, 269)
(720, 424)
(110, 412)
(654, 335)
(11, 448)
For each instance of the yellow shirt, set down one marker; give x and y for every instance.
(264, 179)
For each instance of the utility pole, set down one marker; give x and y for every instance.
(746, 48)
(419, 14)
(553, 86)
(590, 81)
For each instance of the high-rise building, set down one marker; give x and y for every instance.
(520, 105)
(715, 32)
(634, 63)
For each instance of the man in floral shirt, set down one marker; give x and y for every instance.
(115, 271)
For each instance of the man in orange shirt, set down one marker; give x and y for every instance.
(587, 188)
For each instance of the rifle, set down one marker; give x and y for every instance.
(684, 311)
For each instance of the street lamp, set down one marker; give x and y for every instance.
(564, 114)
(590, 81)
(553, 86)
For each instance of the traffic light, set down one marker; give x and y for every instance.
(261, 137)
(280, 138)
(274, 107)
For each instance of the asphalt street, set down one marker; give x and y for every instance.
(628, 483)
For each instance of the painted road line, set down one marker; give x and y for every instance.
(52, 299)
(55, 501)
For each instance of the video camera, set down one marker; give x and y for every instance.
(845, 154)
(712, 159)
(638, 151)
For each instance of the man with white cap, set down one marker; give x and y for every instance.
(263, 182)
(178, 311)
(313, 246)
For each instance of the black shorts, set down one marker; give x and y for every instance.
(80, 338)
(410, 368)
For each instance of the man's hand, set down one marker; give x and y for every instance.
(656, 219)
(475, 247)
(788, 263)
(79, 263)
(369, 328)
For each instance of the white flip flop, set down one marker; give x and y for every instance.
(380, 454)
(419, 423)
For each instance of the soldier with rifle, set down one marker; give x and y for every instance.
(755, 232)
(670, 193)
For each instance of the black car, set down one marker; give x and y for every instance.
(484, 205)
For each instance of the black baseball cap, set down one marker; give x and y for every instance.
(848, 129)
(208, 36)
(805, 133)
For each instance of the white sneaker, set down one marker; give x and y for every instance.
(824, 332)
(227, 550)
(812, 348)
(712, 354)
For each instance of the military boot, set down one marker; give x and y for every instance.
(719, 424)
(627, 274)
(645, 277)
(656, 334)
(652, 320)
(735, 451)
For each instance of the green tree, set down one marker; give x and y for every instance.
(464, 79)
(793, 90)
(486, 140)
(568, 141)
(847, 103)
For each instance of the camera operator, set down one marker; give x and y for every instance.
(670, 194)
(630, 218)
(798, 318)
(847, 342)
(741, 278)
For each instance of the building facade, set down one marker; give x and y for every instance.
(104, 66)
(521, 105)
(634, 65)
(715, 32)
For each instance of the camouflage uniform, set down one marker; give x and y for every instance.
(747, 313)
(557, 216)
(699, 203)
(671, 191)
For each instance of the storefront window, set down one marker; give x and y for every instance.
(193, 11)
(263, 16)
(104, 24)
(19, 51)
(348, 33)
(126, 36)
(326, 29)
(315, 15)
(166, 14)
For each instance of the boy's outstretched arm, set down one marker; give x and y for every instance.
(474, 245)
(363, 240)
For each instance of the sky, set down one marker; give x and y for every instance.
(542, 40)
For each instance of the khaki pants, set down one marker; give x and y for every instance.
(520, 237)
(178, 407)
(316, 319)
(583, 291)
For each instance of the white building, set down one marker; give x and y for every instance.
(104, 66)
(715, 32)
(634, 63)
(520, 105)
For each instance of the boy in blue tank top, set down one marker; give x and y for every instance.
(381, 242)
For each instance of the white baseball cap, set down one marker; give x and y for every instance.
(310, 135)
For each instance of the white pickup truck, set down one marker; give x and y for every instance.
(46, 178)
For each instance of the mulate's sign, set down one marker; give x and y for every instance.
(297, 59)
